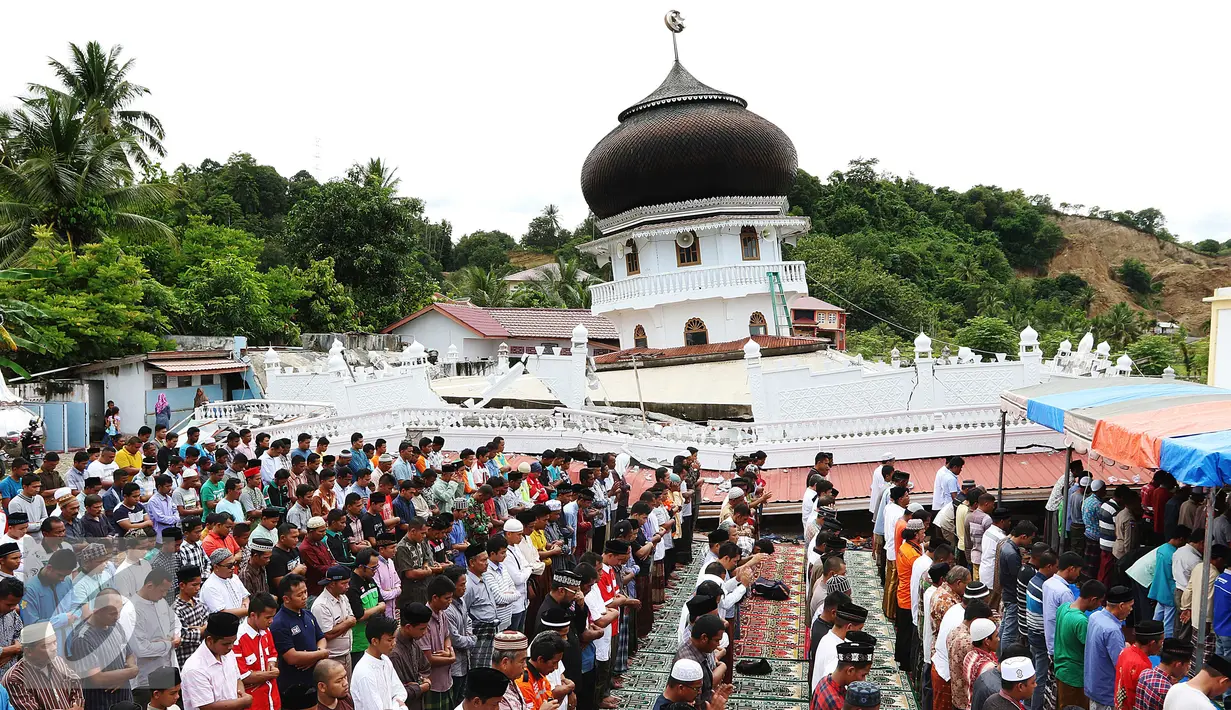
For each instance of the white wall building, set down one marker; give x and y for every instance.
(690, 190)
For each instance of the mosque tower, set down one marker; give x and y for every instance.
(690, 193)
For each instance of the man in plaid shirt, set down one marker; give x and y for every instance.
(191, 553)
(190, 610)
(854, 662)
(1153, 683)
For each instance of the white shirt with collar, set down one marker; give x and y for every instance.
(207, 679)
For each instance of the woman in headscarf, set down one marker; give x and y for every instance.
(162, 411)
(201, 399)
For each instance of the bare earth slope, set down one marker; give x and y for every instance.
(1094, 247)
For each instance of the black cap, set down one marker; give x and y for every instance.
(701, 604)
(475, 550)
(1218, 663)
(1001, 514)
(616, 547)
(556, 618)
(485, 683)
(164, 678)
(172, 534)
(863, 694)
(1149, 630)
(337, 573)
(852, 613)
(1119, 595)
(221, 624)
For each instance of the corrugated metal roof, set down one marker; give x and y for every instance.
(552, 322)
(198, 366)
(765, 341)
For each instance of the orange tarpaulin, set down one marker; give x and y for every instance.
(1135, 439)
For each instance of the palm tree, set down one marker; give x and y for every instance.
(484, 287)
(552, 213)
(990, 303)
(59, 170)
(1119, 326)
(566, 285)
(95, 76)
(382, 175)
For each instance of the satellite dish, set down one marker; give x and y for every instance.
(685, 239)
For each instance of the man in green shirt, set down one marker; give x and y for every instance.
(364, 598)
(1071, 622)
(212, 489)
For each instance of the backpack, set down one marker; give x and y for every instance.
(773, 589)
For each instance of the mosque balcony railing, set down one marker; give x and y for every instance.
(257, 412)
(694, 283)
(965, 419)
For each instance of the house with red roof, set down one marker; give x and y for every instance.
(476, 332)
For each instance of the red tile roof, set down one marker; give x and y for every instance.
(552, 322)
(765, 341)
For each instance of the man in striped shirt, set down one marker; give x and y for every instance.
(1107, 531)
(42, 679)
(1047, 563)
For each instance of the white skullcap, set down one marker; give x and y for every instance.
(523, 467)
(1097, 485)
(735, 493)
(887, 457)
(1085, 481)
(61, 492)
(37, 632)
(687, 670)
(1016, 669)
(553, 505)
(915, 508)
(513, 525)
(981, 629)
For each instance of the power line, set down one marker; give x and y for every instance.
(895, 325)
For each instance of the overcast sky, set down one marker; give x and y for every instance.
(488, 110)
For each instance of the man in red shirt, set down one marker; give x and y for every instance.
(256, 655)
(1134, 659)
(314, 553)
(854, 662)
(219, 535)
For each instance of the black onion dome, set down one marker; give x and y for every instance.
(686, 141)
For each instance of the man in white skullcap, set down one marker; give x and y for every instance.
(1016, 685)
(734, 497)
(683, 686)
(42, 678)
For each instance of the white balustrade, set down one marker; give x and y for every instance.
(743, 278)
(272, 409)
(885, 424)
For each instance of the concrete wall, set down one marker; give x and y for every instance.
(1219, 374)
(321, 342)
(658, 253)
(725, 319)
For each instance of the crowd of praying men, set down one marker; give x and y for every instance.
(234, 571)
(990, 614)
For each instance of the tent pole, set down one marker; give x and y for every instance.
(1000, 485)
(1064, 501)
(1202, 613)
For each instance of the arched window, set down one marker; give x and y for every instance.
(632, 261)
(639, 339)
(695, 332)
(750, 244)
(687, 249)
(756, 325)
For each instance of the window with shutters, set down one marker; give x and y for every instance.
(689, 255)
(756, 324)
(632, 261)
(639, 339)
(695, 332)
(750, 244)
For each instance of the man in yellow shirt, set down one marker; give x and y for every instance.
(129, 457)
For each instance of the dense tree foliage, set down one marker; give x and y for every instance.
(116, 252)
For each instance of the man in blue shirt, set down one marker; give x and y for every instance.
(1222, 614)
(1162, 589)
(49, 596)
(1104, 642)
(304, 447)
(298, 638)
